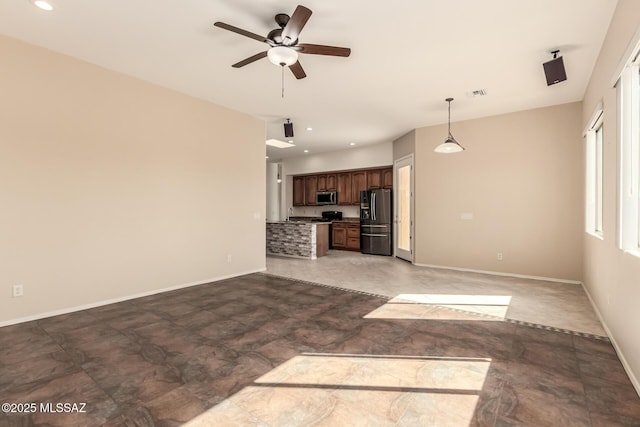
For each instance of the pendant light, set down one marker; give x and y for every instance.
(450, 145)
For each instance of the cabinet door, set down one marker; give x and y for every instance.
(344, 189)
(310, 189)
(322, 183)
(298, 191)
(387, 178)
(358, 184)
(339, 236)
(331, 182)
(374, 179)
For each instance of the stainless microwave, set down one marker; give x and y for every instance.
(326, 198)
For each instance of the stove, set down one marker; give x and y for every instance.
(331, 216)
(328, 216)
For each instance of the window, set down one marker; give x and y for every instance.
(594, 169)
(628, 88)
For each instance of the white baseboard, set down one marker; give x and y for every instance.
(499, 273)
(623, 360)
(124, 298)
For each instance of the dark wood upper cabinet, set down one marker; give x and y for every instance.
(322, 182)
(332, 184)
(358, 184)
(298, 191)
(374, 179)
(310, 189)
(344, 188)
(387, 178)
(347, 184)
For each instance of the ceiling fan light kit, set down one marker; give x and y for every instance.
(450, 145)
(282, 55)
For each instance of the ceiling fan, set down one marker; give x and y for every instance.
(283, 42)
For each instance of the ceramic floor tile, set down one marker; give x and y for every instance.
(560, 305)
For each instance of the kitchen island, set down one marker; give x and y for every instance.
(300, 239)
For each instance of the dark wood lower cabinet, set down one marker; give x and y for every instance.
(346, 236)
(353, 237)
(339, 235)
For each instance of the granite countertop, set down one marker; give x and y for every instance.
(350, 220)
(316, 219)
(297, 221)
(312, 220)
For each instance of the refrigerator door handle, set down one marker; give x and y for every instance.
(375, 235)
(373, 205)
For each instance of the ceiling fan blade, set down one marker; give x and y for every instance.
(250, 59)
(291, 31)
(241, 31)
(318, 49)
(297, 70)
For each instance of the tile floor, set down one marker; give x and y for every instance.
(553, 304)
(262, 350)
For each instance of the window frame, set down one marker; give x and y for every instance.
(594, 174)
(628, 92)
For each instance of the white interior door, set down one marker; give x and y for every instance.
(403, 180)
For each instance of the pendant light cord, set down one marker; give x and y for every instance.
(449, 118)
(449, 101)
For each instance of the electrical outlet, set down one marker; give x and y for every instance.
(18, 291)
(229, 258)
(499, 256)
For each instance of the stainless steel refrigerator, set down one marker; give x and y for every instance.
(375, 222)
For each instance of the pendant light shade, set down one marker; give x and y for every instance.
(450, 145)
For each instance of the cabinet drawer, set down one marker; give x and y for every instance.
(353, 243)
(353, 232)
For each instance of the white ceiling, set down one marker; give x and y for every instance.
(407, 57)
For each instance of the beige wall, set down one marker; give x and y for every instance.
(520, 178)
(611, 276)
(112, 187)
(404, 145)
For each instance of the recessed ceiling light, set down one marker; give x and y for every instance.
(266, 157)
(309, 128)
(352, 143)
(306, 151)
(44, 5)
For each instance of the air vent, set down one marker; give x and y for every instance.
(476, 93)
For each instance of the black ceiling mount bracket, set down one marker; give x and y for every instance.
(282, 19)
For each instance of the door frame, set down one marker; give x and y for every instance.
(397, 164)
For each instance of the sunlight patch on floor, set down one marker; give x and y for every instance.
(444, 307)
(328, 389)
